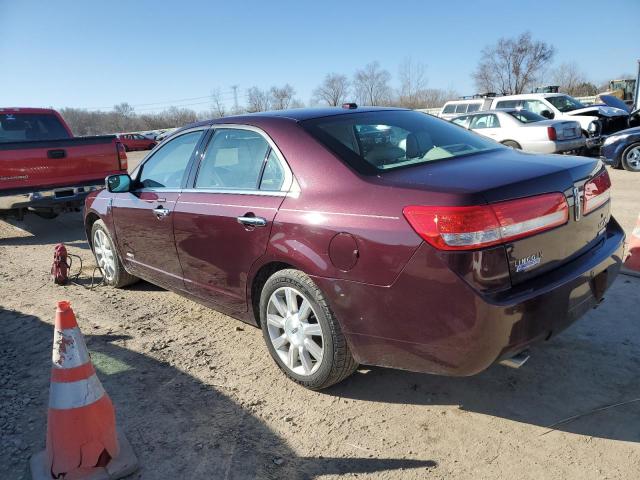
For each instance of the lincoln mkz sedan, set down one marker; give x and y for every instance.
(372, 236)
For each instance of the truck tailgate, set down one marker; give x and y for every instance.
(57, 163)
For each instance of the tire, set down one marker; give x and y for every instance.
(512, 144)
(336, 362)
(113, 271)
(631, 158)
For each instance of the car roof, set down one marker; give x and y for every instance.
(531, 95)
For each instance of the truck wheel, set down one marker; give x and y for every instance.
(631, 157)
(107, 257)
(302, 333)
(512, 144)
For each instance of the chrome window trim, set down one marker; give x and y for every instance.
(288, 174)
(263, 193)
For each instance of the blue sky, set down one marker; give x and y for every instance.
(94, 54)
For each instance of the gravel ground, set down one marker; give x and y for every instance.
(199, 397)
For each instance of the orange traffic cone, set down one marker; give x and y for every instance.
(632, 263)
(82, 441)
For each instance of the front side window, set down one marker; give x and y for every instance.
(535, 106)
(166, 168)
(462, 121)
(376, 141)
(565, 103)
(233, 160)
(484, 121)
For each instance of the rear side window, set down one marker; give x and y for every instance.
(166, 168)
(461, 108)
(21, 127)
(473, 107)
(384, 140)
(233, 160)
(484, 121)
(273, 175)
(507, 104)
(451, 108)
(525, 116)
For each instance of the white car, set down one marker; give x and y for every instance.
(525, 130)
(595, 121)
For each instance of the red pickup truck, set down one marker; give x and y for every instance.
(45, 169)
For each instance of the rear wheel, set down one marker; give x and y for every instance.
(512, 144)
(302, 333)
(631, 157)
(107, 257)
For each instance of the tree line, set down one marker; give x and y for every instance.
(510, 66)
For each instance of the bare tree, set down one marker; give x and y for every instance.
(371, 85)
(257, 100)
(333, 90)
(281, 96)
(413, 84)
(218, 107)
(512, 65)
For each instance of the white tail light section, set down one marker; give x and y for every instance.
(473, 227)
(597, 192)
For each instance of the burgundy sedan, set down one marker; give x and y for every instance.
(428, 248)
(135, 141)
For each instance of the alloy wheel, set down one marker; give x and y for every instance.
(294, 331)
(104, 254)
(633, 158)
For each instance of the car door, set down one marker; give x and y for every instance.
(223, 222)
(143, 218)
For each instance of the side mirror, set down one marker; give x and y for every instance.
(119, 183)
(547, 114)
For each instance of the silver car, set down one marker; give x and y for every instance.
(525, 130)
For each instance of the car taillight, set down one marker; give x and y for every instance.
(597, 192)
(551, 132)
(472, 227)
(122, 156)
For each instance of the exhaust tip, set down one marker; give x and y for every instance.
(517, 360)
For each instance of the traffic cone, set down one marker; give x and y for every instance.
(632, 263)
(82, 440)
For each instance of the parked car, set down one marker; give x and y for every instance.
(596, 121)
(136, 141)
(436, 251)
(45, 169)
(453, 108)
(160, 137)
(525, 130)
(622, 150)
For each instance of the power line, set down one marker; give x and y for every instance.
(228, 94)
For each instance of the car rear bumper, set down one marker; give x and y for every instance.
(431, 320)
(48, 197)
(548, 146)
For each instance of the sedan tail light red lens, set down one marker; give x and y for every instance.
(597, 192)
(472, 227)
(551, 132)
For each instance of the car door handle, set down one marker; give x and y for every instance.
(252, 221)
(160, 212)
(54, 154)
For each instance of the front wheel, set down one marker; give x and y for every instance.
(631, 158)
(302, 333)
(107, 257)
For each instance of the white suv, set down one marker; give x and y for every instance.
(595, 121)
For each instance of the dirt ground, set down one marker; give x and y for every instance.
(199, 397)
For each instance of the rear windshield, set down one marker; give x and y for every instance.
(378, 141)
(525, 116)
(20, 127)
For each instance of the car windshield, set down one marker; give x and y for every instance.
(525, 116)
(384, 140)
(21, 127)
(564, 103)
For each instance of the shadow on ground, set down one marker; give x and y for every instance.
(179, 426)
(593, 364)
(33, 230)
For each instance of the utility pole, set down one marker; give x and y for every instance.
(235, 98)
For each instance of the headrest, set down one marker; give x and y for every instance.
(418, 144)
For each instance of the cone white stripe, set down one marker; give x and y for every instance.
(69, 349)
(66, 395)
